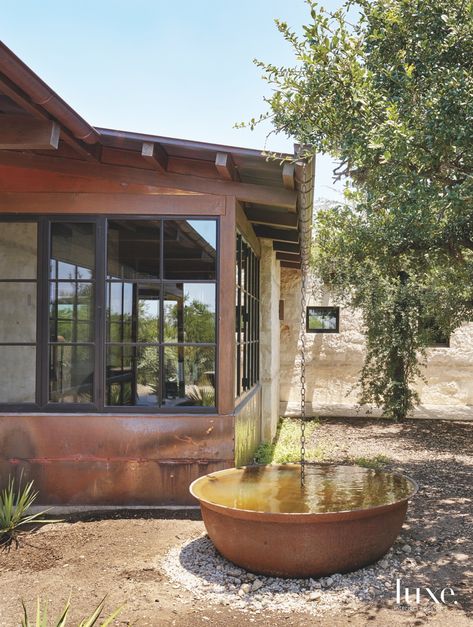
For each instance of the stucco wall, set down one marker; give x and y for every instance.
(335, 359)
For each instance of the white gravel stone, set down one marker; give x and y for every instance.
(201, 571)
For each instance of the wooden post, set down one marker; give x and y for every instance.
(226, 318)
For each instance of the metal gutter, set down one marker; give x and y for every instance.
(184, 143)
(41, 94)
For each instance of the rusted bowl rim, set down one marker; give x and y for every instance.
(300, 515)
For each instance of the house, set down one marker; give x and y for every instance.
(139, 300)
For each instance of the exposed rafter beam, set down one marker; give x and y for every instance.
(245, 192)
(291, 264)
(278, 235)
(286, 247)
(23, 132)
(269, 217)
(155, 155)
(226, 167)
(288, 257)
(86, 152)
(288, 179)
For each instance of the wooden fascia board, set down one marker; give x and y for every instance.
(244, 192)
(113, 203)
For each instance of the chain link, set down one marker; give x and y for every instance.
(302, 344)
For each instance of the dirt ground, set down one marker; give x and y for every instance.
(120, 556)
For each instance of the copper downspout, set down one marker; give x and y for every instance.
(37, 90)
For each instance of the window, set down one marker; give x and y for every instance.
(247, 318)
(436, 337)
(322, 319)
(128, 314)
(18, 311)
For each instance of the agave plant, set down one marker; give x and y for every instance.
(41, 618)
(14, 506)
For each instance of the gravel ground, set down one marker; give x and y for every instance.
(434, 550)
(198, 567)
(168, 574)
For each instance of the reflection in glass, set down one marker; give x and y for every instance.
(148, 313)
(133, 249)
(17, 374)
(190, 249)
(71, 312)
(17, 312)
(119, 312)
(189, 376)
(133, 312)
(189, 312)
(71, 369)
(72, 251)
(133, 376)
(18, 250)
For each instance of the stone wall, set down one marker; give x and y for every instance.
(334, 361)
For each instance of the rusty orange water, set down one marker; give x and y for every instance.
(277, 489)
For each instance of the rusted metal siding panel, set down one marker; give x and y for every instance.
(114, 460)
(248, 427)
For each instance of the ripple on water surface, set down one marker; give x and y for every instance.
(277, 489)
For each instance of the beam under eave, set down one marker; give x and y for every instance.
(291, 264)
(226, 167)
(269, 217)
(89, 154)
(286, 247)
(288, 171)
(288, 257)
(21, 132)
(277, 235)
(155, 155)
(244, 192)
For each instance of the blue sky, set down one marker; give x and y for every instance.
(178, 69)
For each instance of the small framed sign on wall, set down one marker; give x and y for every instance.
(323, 319)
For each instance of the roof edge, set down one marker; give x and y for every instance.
(41, 94)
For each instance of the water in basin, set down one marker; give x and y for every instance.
(277, 489)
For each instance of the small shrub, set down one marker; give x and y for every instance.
(41, 618)
(286, 447)
(377, 462)
(14, 506)
(264, 453)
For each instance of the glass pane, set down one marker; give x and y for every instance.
(18, 312)
(71, 316)
(71, 374)
(133, 376)
(119, 312)
(17, 374)
(189, 312)
(190, 249)
(18, 249)
(72, 251)
(189, 376)
(134, 249)
(148, 313)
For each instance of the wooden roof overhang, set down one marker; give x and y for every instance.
(39, 131)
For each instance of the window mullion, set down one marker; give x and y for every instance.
(100, 312)
(42, 340)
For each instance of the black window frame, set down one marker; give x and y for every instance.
(42, 404)
(247, 316)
